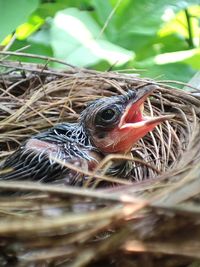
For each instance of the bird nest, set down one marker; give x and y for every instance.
(149, 219)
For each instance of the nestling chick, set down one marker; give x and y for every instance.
(107, 125)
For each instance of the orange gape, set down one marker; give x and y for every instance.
(132, 126)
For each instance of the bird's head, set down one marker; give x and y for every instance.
(115, 123)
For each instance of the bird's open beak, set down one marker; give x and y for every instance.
(133, 116)
(133, 124)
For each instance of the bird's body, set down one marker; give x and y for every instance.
(107, 125)
(37, 158)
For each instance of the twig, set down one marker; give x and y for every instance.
(190, 34)
(12, 40)
(67, 191)
(109, 17)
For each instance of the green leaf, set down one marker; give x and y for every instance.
(175, 56)
(141, 16)
(46, 10)
(14, 13)
(170, 43)
(34, 48)
(194, 60)
(49, 9)
(42, 36)
(138, 22)
(176, 71)
(179, 25)
(147, 16)
(155, 45)
(102, 10)
(104, 16)
(75, 39)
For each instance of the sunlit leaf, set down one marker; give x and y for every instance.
(26, 29)
(14, 13)
(75, 38)
(194, 60)
(179, 23)
(175, 56)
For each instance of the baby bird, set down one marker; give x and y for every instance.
(107, 125)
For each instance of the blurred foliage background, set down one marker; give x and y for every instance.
(161, 39)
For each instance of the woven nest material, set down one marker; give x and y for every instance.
(151, 219)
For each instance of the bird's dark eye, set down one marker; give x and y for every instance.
(107, 114)
(107, 117)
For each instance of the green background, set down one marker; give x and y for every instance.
(158, 39)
